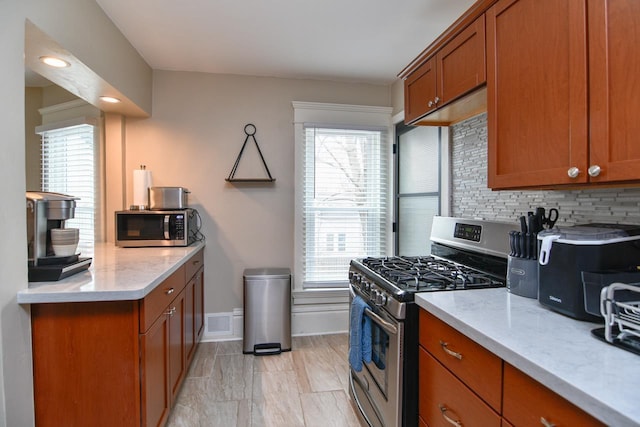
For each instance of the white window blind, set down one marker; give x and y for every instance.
(69, 166)
(344, 212)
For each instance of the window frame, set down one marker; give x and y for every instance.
(444, 177)
(73, 113)
(331, 116)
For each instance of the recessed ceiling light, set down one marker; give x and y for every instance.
(52, 61)
(109, 99)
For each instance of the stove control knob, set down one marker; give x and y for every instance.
(366, 285)
(378, 297)
(383, 299)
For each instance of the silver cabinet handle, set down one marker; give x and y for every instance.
(435, 101)
(443, 412)
(546, 423)
(430, 103)
(594, 170)
(450, 352)
(573, 172)
(169, 291)
(171, 311)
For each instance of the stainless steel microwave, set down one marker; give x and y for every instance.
(135, 229)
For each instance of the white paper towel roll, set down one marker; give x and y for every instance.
(141, 184)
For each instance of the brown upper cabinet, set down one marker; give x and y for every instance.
(454, 70)
(562, 92)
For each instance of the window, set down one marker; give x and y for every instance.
(421, 168)
(70, 153)
(342, 192)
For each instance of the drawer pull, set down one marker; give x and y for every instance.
(546, 423)
(196, 262)
(171, 311)
(443, 411)
(169, 291)
(450, 352)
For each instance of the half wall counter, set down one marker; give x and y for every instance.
(112, 345)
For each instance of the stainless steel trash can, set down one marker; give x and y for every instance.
(267, 311)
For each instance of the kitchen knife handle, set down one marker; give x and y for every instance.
(523, 224)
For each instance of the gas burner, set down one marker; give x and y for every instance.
(426, 273)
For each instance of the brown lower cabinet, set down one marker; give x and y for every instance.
(449, 395)
(444, 400)
(117, 363)
(527, 402)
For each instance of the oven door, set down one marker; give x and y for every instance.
(377, 388)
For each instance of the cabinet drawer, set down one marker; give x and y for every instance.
(443, 399)
(526, 402)
(193, 264)
(477, 367)
(154, 304)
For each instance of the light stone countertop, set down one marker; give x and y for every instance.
(554, 349)
(115, 274)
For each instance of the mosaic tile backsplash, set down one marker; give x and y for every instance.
(472, 199)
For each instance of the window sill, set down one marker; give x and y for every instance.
(321, 296)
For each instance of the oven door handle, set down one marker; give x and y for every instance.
(388, 327)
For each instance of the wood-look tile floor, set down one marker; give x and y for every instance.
(307, 386)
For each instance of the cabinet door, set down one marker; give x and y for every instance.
(420, 91)
(474, 365)
(527, 402)
(536, 92)
(154, 361)
(189, 320)
(462, 63)
(177, 354)
(199, 304)
(443, 400)
(614, 61)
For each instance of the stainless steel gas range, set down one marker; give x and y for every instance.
(465, 254)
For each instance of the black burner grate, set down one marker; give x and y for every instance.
(423, 274)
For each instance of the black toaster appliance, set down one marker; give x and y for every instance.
(566, 252)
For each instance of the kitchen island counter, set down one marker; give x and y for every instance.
(116, 274)
(553, 349)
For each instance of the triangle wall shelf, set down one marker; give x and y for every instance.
(249, 130)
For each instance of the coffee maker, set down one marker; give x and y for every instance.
(46, 211)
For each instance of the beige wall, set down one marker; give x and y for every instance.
(193, 139)
(397, 96)
(33, 101)
(36, 98)
(83, 29)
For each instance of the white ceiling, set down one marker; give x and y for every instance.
(344, 40)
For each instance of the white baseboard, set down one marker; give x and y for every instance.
(308, 319)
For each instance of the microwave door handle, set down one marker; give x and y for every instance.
(167, 236)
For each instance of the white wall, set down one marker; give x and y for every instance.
(82, 28)
(193, 139)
